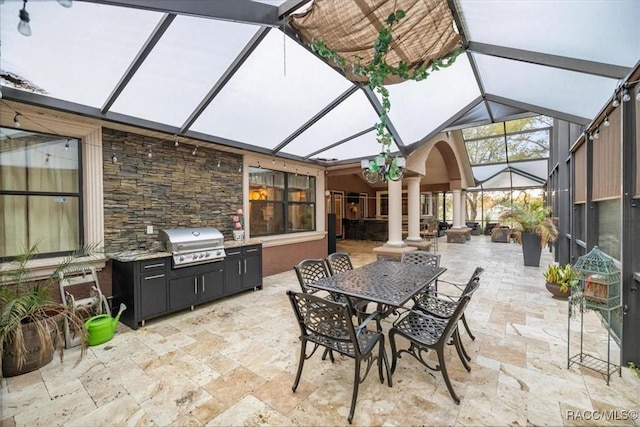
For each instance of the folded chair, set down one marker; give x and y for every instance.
(424, 333)
(328, 324)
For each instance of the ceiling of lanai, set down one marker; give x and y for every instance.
(235, 73)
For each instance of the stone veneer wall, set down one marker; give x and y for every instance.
(171, 189)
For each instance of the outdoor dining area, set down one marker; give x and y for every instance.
(234, 362)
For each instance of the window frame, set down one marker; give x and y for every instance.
(285, 204)
(79, 195)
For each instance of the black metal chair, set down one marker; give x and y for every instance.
(340, 262)
(424, 333)
(328, 324)
(310, 271)
(420, 258)
(443, 305)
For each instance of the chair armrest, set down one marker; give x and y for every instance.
(457, 285)
(364, 323)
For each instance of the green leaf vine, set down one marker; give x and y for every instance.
(377, 71)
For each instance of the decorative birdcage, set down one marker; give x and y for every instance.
(599, 279)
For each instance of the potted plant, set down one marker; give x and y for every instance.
(533, 228)
(31, 321)
(559, 280)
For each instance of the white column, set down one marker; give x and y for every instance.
(395, 214)
(93, 190)
(430, 204)
(457, 221)
(413, 207)
(463, 208)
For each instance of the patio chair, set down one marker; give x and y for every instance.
(443, 305)
(420, 258)
(424, 333)
(340, 262)
(310, 271)
(328, 324)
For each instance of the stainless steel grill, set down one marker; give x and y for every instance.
(191, 246)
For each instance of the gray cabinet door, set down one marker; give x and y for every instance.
(153, 295)
(233, 271)
(183, 292)
(211, 285)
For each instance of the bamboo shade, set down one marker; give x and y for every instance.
(350, 28)
(580, 178)
(606, 159)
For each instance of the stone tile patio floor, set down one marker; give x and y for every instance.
(232, 362)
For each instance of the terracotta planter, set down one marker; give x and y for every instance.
(556, 292)
(37, 354)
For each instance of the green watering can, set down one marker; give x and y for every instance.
(102, 327)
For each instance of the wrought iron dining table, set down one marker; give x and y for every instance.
(391, 284)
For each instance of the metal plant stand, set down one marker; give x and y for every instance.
(599, 290)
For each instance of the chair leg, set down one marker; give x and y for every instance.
(303, 350)
(354, 397)
(382, 359)
(394, 356)
(445, 375)
(461, 354)
(466, 326)
(330, 353)
(463, 349)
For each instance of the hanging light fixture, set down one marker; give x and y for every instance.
(195, 150)
(23, 25)
(615, 102)
(114, 159)
(597, 134)
(384, 167)
(65, 3)
(625, 95)
(606, 122)
(16, 120)
(66, 145)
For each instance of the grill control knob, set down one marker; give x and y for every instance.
(181, 258)
(207, 254)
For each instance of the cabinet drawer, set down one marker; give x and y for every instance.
(153, 265)
(252, 250)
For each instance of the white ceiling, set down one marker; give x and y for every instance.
(225, 72)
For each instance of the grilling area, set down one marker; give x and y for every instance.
(228, 363)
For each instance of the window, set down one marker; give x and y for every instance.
(40, 200)
(281, 202)
(609, 230)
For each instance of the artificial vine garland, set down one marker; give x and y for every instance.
(378, 70)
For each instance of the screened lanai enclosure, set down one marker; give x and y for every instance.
(238, 73)
(168, 113)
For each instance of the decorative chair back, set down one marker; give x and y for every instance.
(339, 262)
(474, 282)
(310, 271)
(325, 322)
(420, 258)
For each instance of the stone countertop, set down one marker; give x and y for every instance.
(144, 254)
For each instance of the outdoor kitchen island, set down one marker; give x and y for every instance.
(151, 285)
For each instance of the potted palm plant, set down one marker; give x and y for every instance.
(533, 228)
(559, 280)
(31, 319)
